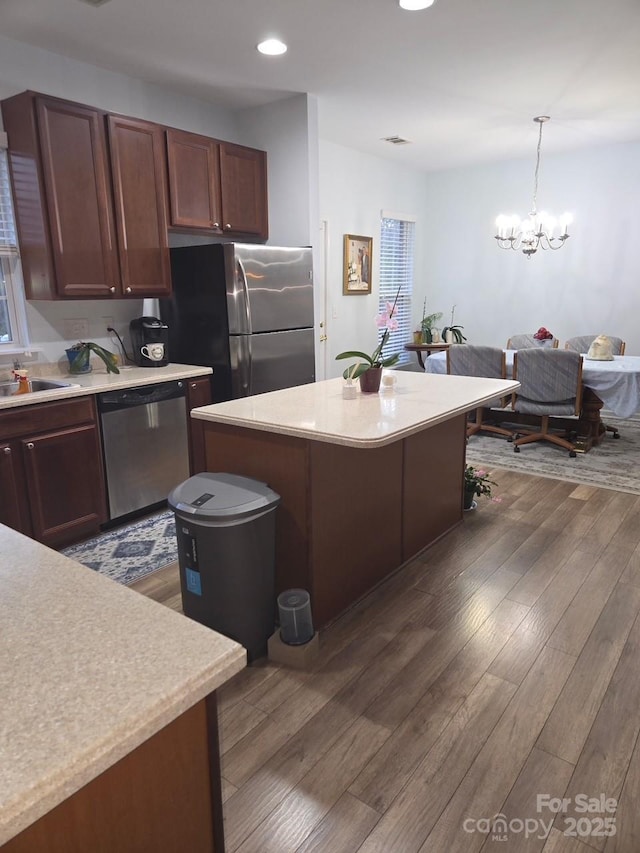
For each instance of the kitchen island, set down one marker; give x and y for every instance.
(365, 483)
(108, 725)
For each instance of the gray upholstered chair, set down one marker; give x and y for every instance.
(524, 341)
(550, 384)
(583, 342)
(487, 362)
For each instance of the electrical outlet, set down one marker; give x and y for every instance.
(76, 329)
(106, 323)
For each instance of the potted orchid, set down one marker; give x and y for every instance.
(368, 368)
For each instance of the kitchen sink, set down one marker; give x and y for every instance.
(8, 389)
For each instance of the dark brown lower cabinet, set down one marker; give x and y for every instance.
(51, 471)
(164, 797)
(14, 508)
(66, 491)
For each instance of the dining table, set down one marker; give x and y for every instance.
(613, 385)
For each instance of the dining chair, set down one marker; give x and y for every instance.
(526, 341)
(581, 343)
(550, 385)
(485, 362)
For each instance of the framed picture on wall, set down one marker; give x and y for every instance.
(358, 252)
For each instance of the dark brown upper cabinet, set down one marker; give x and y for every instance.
(194, 181)
(66, 175)
(243, 184)
(58, 159)
(217, 186)
(140, 193)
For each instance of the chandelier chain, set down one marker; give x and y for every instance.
(537, 171)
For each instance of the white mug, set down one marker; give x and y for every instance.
(154, 352)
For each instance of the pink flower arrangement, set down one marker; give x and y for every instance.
(477, 481)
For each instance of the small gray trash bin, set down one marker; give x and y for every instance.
(225, 526)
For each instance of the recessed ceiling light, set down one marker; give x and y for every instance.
(272, 47)
(415, 5)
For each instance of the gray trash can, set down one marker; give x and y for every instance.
(225, 525)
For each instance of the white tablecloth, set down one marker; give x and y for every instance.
(616, 382)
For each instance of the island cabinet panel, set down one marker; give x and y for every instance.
(163, 796)
(198, 394)
(194, 181)
(349, 516)
(243, 179)
(140, 193)
(282, 462)
(356, 518)
(14, 508)
(433, 471)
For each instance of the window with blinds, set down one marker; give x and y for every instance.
(13, 330)
(396, 278)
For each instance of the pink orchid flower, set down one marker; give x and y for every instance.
(386, 319)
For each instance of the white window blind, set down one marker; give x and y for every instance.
(13, 323)
(8, 240)
(397, 237)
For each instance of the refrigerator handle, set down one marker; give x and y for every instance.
(245, 291)
(242, 378)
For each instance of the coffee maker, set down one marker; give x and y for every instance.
(149, 341)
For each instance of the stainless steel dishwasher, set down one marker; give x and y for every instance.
(146, 453)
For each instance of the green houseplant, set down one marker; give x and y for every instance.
(79, 357)
(427, 324)
(456, 331)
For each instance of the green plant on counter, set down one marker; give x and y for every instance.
(427, 323)
(456, 331)
(84, 349)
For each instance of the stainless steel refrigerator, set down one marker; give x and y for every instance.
(245, 310)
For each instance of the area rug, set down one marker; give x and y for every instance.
(132, 551)
(614, 464)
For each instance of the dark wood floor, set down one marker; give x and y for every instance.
(502, 664)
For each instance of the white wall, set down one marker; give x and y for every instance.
(590, 286)
(282, 129)
(354, 189)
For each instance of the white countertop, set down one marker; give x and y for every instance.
(99, 381)
(88, 671)
(319, 411)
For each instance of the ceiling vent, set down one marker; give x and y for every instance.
(396, 140)
(95, 2)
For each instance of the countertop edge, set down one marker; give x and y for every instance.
(204, 413)
(112, 382)
(29, 809)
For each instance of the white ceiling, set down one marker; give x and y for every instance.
(461, 80)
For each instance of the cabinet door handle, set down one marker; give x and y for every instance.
(216, 224)
(128, 290)
(30, 445)
(7, 450)
(228, 226)
(193, 385)
(112, 289)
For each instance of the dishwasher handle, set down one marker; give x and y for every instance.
(127, 398)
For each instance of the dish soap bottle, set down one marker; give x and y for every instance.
(24, 386)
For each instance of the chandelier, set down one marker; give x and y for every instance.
(539, 230)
